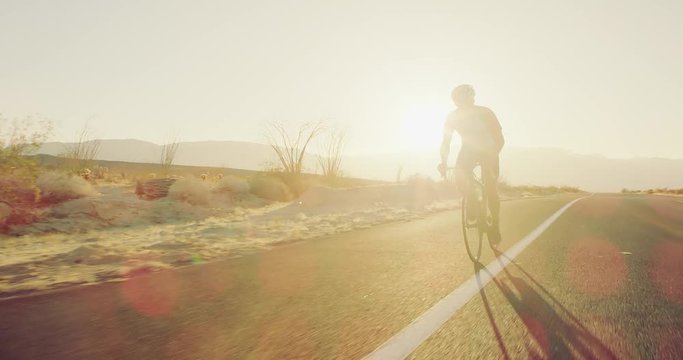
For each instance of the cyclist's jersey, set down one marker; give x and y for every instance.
(478, 127)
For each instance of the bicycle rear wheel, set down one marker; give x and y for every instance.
(471, 230)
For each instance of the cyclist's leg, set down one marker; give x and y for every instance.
(491, 169)
(491, 172)
(464, 164)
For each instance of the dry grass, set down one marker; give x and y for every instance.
(82, 153)
(291, 149)
(56, 187)
(168, 152)
(515, 190)
(190, 190)
(331, 154)
(24, 196)
(231, 184)
(654, 191)
(270, 188)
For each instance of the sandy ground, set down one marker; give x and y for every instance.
(111, 235)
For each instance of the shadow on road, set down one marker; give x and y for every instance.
(556, 332)
(477, 267)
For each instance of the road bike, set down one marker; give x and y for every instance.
(476, 217)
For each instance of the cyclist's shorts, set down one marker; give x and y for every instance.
(469, 158)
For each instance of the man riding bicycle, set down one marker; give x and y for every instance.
(482, 140)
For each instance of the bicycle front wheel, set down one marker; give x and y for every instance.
(471, 231)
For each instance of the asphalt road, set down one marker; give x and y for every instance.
(604, 281)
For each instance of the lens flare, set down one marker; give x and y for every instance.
(667, 209)
(666, 272)
(152, 295)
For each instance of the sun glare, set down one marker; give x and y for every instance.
(423, 125)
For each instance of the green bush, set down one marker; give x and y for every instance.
(19, 139)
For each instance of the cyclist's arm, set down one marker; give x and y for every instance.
(446, 142)
(496, 131)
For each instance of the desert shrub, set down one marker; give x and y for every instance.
(232, 185)
(296, 183)
(5, 212)
(419, 179)
(270, 188)
(570, 189)
(16, 216)
(154, 188)
(101, 173)
(504, 187)
(17, 201)
(550, 190)
(17, 190)
(335, 182)
(19, 139)
(56, 187)
(190, 190)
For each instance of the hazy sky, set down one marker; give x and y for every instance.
(590, 76)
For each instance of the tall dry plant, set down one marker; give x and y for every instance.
(291, 150)
(331, 153)
(168, 152)
(83, 151)
(399, 173)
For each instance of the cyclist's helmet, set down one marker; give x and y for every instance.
(462, 93)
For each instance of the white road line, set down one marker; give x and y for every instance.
(407, 340)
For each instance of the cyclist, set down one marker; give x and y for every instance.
(482, 140)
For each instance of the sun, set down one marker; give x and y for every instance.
(422, 126)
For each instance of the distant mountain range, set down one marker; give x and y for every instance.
(533, 166)
(539, 166)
